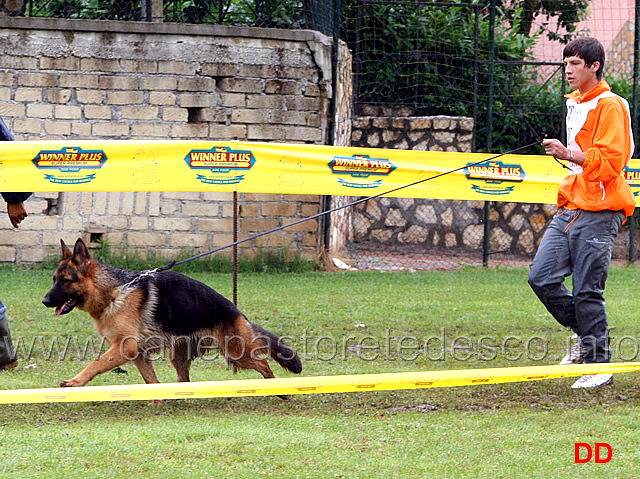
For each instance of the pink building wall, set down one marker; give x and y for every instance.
(610, 21)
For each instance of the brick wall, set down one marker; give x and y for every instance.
(76, 79)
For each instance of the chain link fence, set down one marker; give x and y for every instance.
(419, 234)
(406, 233)
(306, 14)
(400, 68)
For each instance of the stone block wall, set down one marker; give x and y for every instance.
(438, 133)
(76, 79)
(414, 225)
(159, 224)
(443, 227)
(619, 55)
(422, 225)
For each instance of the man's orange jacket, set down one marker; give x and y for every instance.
(602, 129)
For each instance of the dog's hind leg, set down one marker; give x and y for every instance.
(148, 373)
(181, 359)
(241, 351)
(260, 365)
(251, 360)
(147, 369)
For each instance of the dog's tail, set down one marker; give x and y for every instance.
(278, 349)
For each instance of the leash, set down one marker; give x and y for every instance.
(143, 274)
(561, 164)
(354, 203)
(170, 265)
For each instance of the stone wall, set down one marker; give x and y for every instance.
(619, 55)
(438, 133)
(448, 226)
(76, 79)
(445, 226)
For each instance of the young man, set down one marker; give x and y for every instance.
(593, 202)
(17, 212)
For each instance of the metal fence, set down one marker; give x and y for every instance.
(306, 14)
(513, 102)
(418, 234)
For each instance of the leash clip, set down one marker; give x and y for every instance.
(147, 272)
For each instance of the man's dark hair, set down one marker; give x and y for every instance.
(587, 48)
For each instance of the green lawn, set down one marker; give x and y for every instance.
(341, 323)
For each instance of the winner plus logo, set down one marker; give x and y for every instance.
(360, 167)
(70, 165)
(494, 177)
(220, 165)
(632, 177)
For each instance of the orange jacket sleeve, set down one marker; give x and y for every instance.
(610, 147)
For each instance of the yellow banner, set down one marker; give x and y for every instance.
(310, 385)
(150, 165)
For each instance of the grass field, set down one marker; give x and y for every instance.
(341, 323)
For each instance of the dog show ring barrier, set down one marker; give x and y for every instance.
(138, 165)
(309, 385)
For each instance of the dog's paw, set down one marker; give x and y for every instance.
(70, 383)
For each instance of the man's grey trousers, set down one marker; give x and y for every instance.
(578, 243)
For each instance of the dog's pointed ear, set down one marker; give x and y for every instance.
(66, 252)
(81, 252)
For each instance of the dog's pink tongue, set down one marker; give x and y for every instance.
(59, 310)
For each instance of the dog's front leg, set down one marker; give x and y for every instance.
(118, 354)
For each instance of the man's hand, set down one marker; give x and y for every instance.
(555, 148)
(17, 212)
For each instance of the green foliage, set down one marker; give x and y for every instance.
(524, 112)
(620, 84)
(102, 9)
(264, 261)
(428, 58)
(257, 13)
(408, 54)
(566, 14)
(196, 11)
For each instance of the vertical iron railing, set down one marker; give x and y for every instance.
(487, 204)
(634, 122)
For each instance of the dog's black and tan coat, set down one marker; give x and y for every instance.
(138, 314)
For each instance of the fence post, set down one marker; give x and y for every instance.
(235, 247)
(325, 202)
(487, 232)
(634, 122)
(632, 237)
(152, 10)
(487, 204)
(636, 68)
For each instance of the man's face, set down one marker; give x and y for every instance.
(580, 76)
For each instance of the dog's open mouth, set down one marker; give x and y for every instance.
(66, 307)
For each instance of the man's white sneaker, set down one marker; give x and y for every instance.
(576, 352)
(593, 381)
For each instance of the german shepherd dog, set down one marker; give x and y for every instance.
(139, 313)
